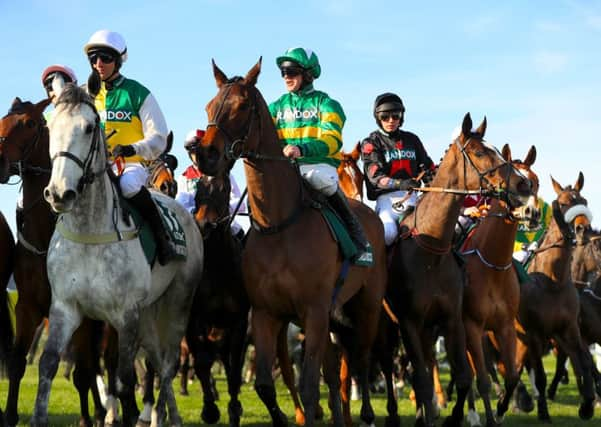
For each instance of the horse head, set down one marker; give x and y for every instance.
(162, 174)
(77, 149)
(235, 114)
(20, 132)
(350, 175)
(474, 165)
(571, 211)
(530, 213)
(212, 201)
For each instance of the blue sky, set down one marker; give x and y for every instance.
(531, 67)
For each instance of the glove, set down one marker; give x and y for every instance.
(124, 151)
(406, 184)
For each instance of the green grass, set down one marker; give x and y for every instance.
(64, 403)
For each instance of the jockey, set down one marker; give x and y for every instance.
(133, 118)
(309, 124)
(392, 159)
(529, 236)
(188, 181)
(54, 71)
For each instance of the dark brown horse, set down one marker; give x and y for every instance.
(491, 298)
(24, 150)
(549, 303)
(291, 262)
(7, 255)
(426, 281)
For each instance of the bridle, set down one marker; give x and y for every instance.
(232, 152)
(89, 175)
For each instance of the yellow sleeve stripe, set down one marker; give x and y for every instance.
(332, 118)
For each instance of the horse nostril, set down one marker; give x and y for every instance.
(47, 194)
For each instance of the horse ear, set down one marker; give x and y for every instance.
(556, 186)
(506, 152)
(580, 182)
(466, 126)
(169, 145)
(94, 83)
(356, 153)
(531, 156)
(41, 106)
(17, 101)
(220, 77)
(253, 73)
(482, 128)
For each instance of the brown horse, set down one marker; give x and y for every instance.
(7, 255)
(24, 150)
(162, 171)
(586, 273)
(426, 282)
(291, 262)
(491, 298)
(549, 303)
(350, 175)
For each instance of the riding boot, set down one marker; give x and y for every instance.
(340, 204)
(148, 209)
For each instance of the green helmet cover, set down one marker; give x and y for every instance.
(306, 58)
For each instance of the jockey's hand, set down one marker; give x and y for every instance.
(292, 151)
(124, 151)
(407, 184)
(472, 211)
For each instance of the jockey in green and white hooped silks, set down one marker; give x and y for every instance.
(309, 124)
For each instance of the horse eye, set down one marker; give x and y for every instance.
(30, 124)
(479, 153)
(89, 129)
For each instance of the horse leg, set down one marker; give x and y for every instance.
(421, 379)
(111, 361)
(145, 418)
(184, 368)
(288, 377)
(316, 323)
(474, 332)
(126, 377)
(63, 322)
(560, 361)
(507, 339)
(385, 353)
(204, 356)
(331, 373)
(265, 330)
(345, 387)
(86, 350)
(582, 362)
(27, 320)
(366, 332)
(167, 373)
(535, 351)
(233, 362)
(456, 350)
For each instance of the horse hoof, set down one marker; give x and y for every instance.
(184, 392)
(450, 421)
(392, 421)
(544, 418)
(281, 420)
(586, 410)
(210, 413)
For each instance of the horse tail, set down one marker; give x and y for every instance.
(6, 326)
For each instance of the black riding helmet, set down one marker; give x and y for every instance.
(388, 102)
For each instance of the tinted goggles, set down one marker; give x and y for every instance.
(105, 57)
(387, 116)
(291, 71)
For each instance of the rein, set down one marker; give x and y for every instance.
(233, 153)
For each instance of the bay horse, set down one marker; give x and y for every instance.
(549, 303)
(350, 177)
(491, 297)
(24, 152)
(162, 171)
(426, 282)
(97, 267)
(586, 274)
(290, 261)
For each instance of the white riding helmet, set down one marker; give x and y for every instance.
(109, 39)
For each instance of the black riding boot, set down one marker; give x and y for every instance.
(340, 204)
(149, 210)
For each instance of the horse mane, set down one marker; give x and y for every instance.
(73, 95)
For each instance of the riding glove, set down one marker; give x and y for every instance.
(405, 184)
(124, 151)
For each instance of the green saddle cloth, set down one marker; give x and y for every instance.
(146, 235)
(347, 246)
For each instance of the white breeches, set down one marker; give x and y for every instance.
(390, 215)
(134, 177)
(322, 177)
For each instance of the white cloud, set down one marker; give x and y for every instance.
(550, 62)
